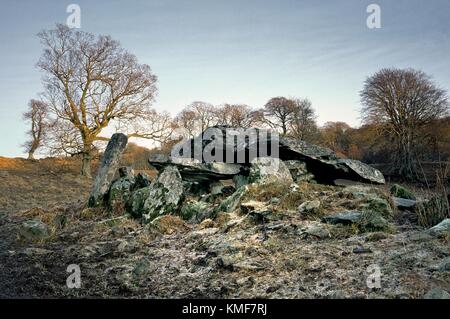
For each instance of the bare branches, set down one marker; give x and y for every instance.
(91, 81)
(37, 116)
(403, 102)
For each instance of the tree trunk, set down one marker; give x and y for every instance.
(86, 162)
(31, 155)
(406, 166)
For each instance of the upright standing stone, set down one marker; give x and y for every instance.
(108, 168)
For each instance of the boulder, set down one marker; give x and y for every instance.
(126, 171)
(240, 180)
(232, 202)
(107, 170)
(196, 211)
(441, 229)
(366, 220)
(120, 192)
(265, 170)
(135, 205)
(325, 165)
(34, 230)
(142, 180)
(298, 170)
(397, 190)
(165, 195)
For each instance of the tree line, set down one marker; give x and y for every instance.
(92, 84)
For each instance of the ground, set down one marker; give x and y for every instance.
(235, 255)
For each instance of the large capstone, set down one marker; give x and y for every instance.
(221, 152)
(325, 165)
(107, 170)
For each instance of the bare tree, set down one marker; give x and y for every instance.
(302, 123)
(37, 116)
(187, 120)
(403, 102)
(278, 113)
(236, 115)
(196, 117)
(91, 81)
(335, 136)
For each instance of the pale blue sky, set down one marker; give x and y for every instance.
(235, 51)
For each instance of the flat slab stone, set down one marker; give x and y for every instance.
(403, 203)
(194, 171)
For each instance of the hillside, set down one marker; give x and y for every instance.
(286, 254)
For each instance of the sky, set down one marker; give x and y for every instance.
(234, 51)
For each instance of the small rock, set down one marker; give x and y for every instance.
(376, 236)
(361, 250)
(141, 268)
(34, 230)
(345, 218)
(207, 223)
(403, 203)
(142, 180)
(196, 211)
(309, 207)
(440, 229)
(225, 263)
(240, 180)
(126, 171)
(437, 293)
(317, 230)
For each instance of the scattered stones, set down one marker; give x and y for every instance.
(107, 170)
(34, 230)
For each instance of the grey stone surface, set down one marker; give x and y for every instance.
(269, 169)
(107, 170)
